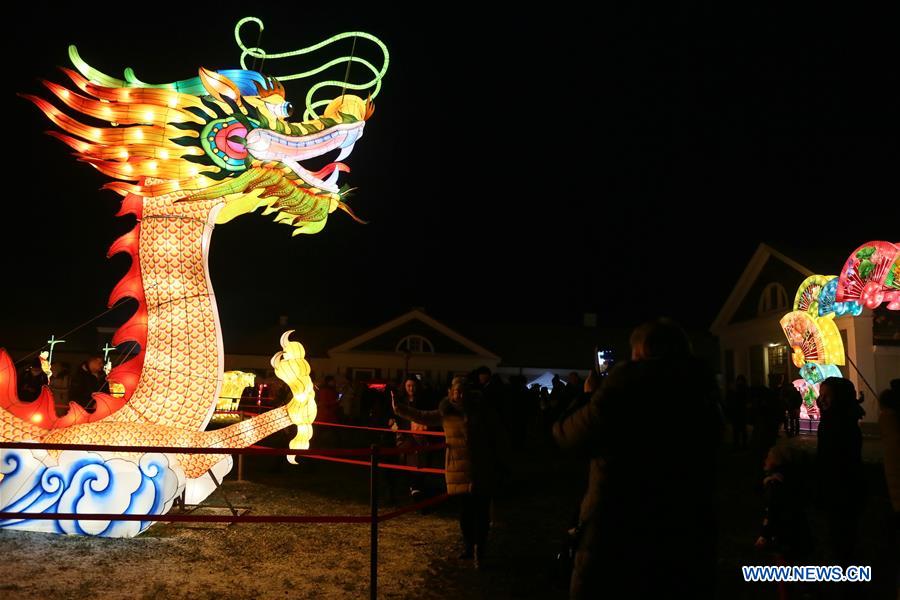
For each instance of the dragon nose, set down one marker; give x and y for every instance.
(257, 142)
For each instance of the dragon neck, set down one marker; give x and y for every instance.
(178, 374)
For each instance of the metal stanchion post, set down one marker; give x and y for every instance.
(373, 543)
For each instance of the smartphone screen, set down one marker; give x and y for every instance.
(601, 359)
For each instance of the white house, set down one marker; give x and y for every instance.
(752, 343)
(413, 342)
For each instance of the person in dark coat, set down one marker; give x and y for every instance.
(737, 409)
(87, 379)
(473, 431)
(768, 415)
(414, 398)
(792, 400)
(328, 410)
(647, 520)
(785, 528)
(839, 469)
(889, 425)
(31, 381)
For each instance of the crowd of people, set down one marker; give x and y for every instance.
(67, 386)
(648, 516)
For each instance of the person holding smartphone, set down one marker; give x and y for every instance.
(648, 518)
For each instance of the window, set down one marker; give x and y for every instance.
(778, 361)
(772, 299)
(415, 344)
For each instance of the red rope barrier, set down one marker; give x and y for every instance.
(402, 511)
(188, 518)
(386, 429)
(191, 518)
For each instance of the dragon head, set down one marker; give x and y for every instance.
(222, 134)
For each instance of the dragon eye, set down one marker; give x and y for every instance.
(285, 109)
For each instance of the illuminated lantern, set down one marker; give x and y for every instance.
(826, 302)
(814, 373)
(813, 340)
(852, 308)
(45, 364)
(828, 305)
(233, 384)
(809, 393)
(864, 277)
(186, 156)
(809, 294)
(892, 284)
(893, 300)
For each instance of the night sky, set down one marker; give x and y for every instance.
(521, 166)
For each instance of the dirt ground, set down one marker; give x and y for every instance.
(417, 553)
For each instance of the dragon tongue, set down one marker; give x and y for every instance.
(330, 169)
(332, 180)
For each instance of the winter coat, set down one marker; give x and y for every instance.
(841, 479)
(83, 384)
(889, 423)
(327, 405)
(649, 513)
(472, 431)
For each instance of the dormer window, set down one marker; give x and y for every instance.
(773, 298)
(415, 344)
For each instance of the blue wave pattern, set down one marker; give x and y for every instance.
(87, 482)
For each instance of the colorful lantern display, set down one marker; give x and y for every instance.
(813, 339)
(809, 294)
(186, 156)
(869, 274)
(815, 374)
(829, 306)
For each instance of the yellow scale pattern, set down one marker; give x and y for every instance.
(239, 435)
(179, 383)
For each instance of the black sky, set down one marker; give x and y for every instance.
(521, 166)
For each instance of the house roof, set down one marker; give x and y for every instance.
(764, 252)
(416, 314)
(812, 258)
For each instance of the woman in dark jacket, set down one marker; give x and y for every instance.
(413, 398)
(648, 519)
(471, 429)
